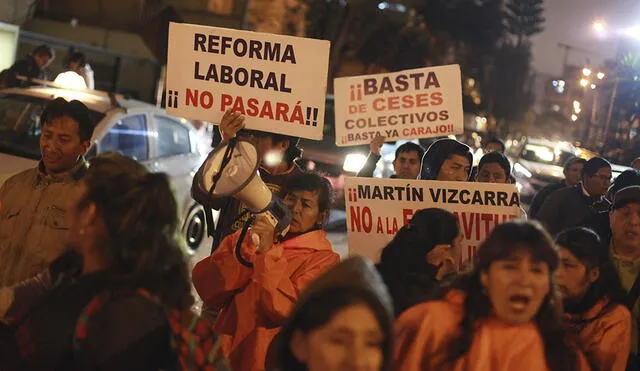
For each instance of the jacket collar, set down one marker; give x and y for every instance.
(72, 175)
(313, 240)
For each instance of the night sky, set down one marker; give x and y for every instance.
(569, 22)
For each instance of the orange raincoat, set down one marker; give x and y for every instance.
(255, 302)
(424, 331)
(605, 337)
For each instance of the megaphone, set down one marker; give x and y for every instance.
(232, 170)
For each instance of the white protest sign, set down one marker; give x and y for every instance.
(278, 82)
(417, 103)
(378, 208)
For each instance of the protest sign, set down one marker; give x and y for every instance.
(378, 208)
(418, 103)
(278, 82)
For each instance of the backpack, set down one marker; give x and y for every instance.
(195, 344)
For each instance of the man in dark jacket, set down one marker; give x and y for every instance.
(570, 207)
(32, 67)
(572, 173)
(447, 160)
(406, 164)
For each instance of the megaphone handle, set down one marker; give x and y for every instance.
(272, 220)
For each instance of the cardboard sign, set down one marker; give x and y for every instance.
(418, 103)
(278, 82)
(378, 208)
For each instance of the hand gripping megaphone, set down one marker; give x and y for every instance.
(232, 170)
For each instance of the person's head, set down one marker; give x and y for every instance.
(636, 163)
(407, 162)
(447, 160)
(626, 179)
(596, 176)
(573, 170)
(76, 61)
(43, 55)
(67, 128)
(343, 321)
(624, 219)
(494, 167)
(415, 255)
(512, 280)
(585, 274)
(124, 219)
(309, 196)
(494, 145)
(274, 149)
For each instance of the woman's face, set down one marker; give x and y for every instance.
(304, 211)
(516, 287)
(572, 276)
(351, 340)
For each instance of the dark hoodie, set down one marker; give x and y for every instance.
(440, 151)
(357, 274)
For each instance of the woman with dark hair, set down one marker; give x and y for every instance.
(447, 160)
(594, 299)
(255, 299)
(343, 321)
(502, 315)
(419, 256)
(122, 222)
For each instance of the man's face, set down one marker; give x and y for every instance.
(492, 173)
(493, 147)
(407, 165)
(597, 184)
(625, 225)
(60, 144)
(43, 61)
(573, 173)
(454, 169)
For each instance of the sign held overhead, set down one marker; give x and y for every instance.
(278, 82)
(417, 103)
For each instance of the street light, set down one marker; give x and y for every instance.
(586, 72)
(593, 86)
(584, 83)
(633, 32)
(600, 75)
(599, 27)
(574, 117)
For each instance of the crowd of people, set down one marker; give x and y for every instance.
(92, 276)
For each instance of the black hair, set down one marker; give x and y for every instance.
(503, 241)
(573, 160)
(496, 158)
(410, 147)
(438, 152)
(496, 141)
(78, 57)
(44, 50)
(312, 182)
(403, 264)
(320, 308)
(140, 214)
(75, 109)
(626, 179)
(586, 245)
(592, 166)
(293, 151)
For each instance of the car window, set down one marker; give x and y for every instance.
(545, 154)
(172, 137)
(129, 137)
(20, 125)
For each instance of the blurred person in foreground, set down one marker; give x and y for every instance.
(504, 314)
(33, 66)
(255, 301)
(594, 300)
(447, 160)
(419, 257)
(572, 173)
(33, 203)
(406, 164)
(122, 231)
(570, 207)
(343, 321)
(636, 163)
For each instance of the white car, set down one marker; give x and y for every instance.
(135, 129)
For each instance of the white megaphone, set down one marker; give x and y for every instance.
(232, 170)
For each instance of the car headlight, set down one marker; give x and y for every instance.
(522, 170)
(354, 162)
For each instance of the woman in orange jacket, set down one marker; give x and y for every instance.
(502, 315)
(593, 300)
(254, 302)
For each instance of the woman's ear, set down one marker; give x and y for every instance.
(299, 346)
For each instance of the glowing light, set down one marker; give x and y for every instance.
(522, 170)
(273, 158)
(633, 32)
(576, 104)
(574, 117)
(354, 162)
(577, 110)
(70, 80)
(599, 27)
(584, 82)
(561, 83)
(600, 75)
(593, 86)
(586, 72)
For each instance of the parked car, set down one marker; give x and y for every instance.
(161, 142)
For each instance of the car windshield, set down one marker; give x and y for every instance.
(20, 125)
(545, 154)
